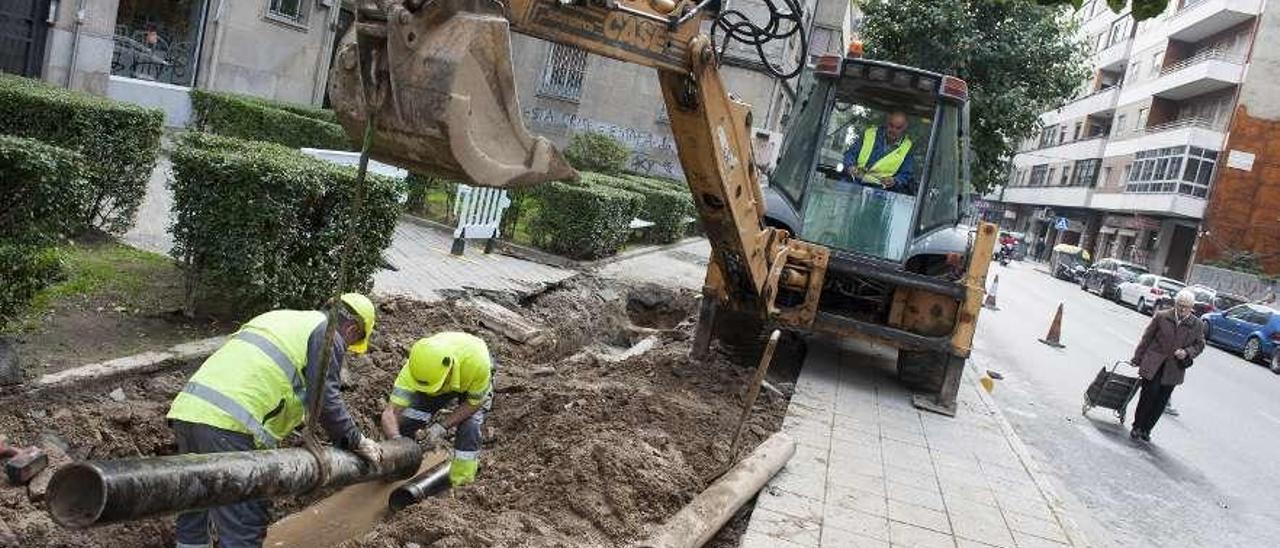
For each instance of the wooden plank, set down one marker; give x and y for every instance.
(506, 322)
(342, 516)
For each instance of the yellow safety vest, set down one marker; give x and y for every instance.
(887, 166)
(254, 384)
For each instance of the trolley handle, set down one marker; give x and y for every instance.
(1117, 364)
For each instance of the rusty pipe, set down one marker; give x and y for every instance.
(106, 491)
(426, 484)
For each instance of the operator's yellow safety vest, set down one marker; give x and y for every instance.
(254, 384)
(887, 166)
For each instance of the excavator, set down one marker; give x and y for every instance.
(429, 86)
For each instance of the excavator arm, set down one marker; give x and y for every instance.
(436, 78)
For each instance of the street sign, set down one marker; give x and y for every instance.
(1062, 223)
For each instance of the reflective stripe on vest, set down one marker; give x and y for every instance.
(887, 165)
(282, 361)
(235, 410)
(402, 393)
(416, 414)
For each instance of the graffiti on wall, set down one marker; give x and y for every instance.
(651, 154)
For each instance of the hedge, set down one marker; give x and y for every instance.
(664, 207)
(45, 187)
(591, 151)
(24, 271)
(260, 223)
(258, 119)
(584, 220)
(119, 142)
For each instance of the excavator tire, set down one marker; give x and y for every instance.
(922, 371)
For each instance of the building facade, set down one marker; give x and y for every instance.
(1127, 168)
(152, 52)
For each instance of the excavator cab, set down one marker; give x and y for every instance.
(912, 121)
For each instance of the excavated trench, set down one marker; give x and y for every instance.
(598, 432)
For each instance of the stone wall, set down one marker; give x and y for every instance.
(1230, 281)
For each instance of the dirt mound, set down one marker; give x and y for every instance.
(587, 444)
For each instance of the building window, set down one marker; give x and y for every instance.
(1181, 169)
(1038, 175)
(1066, 176)
(824, 40)
(158, 41)
(562, 76)
(293, 11)
(1047, 135)
(1053, 174)
(1119, 31)
(1079, 126)
(1141, 122)
(1155, 64)
(1119, 127)
(1086, 172)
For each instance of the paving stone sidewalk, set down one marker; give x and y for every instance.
(871, 470)
(420, 253)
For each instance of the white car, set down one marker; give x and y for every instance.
(1146, 290)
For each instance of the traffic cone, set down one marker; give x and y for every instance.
(1055, 330)
(990, 301)
(987, 383)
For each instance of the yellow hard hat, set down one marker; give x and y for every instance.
(363, 308)
(432, 364)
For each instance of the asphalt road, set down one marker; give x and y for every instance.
(1210, 477)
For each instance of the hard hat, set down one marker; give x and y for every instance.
(363, 308)
(431, 364)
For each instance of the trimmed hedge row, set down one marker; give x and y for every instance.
(259, 223)
(588, 219)
(43, 192)
(119, 143)
(257, 119)
(664, 206)
(596, 152)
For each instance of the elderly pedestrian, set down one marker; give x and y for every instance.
(1168, 347)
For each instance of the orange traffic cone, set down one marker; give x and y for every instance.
(1055, 330)
(990, 301)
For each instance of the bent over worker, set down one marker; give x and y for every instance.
(252, 392)
(442, 369)
(881, 156)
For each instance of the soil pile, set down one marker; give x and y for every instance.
(587, 444)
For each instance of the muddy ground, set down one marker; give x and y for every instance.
(582, 449)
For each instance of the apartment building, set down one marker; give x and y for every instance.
(1127, 168)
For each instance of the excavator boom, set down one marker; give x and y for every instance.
(436, 77)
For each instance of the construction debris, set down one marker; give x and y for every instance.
(509, 324)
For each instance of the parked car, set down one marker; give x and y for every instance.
(1068, 262)
(1144, 292)
(1250, 329)
(1107, 274)
(1208, 300)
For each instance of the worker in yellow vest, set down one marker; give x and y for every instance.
(881, 156)
(252, 392)
(443, 369)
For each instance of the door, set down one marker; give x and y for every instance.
(1233, 325)
(22, 36)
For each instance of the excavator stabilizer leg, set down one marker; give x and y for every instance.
(443, 93)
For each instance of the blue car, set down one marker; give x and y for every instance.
(1252, 330)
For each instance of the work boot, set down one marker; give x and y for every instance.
(1135, 433)
(1146, 436)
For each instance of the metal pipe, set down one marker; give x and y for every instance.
(427, 484)
(75, 43)
(97, 492)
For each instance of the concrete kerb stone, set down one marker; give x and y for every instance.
(146, 362)
(1075, 535)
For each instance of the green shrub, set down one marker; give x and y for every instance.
(119, 142)
(261, 223)
(24, 271)
(583, 220)
(663, 206)
(44, 191)
(591, 151)
(431, 196)
(257, 119)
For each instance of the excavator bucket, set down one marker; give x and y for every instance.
(439, 84)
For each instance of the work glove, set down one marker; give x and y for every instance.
(369, 450)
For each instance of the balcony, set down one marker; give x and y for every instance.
(1098, 101)
(1188, 131)
(1067, 152)
(1163, 204)
(1114, 56)
(1199, 19)
(1201, 73)
(1053, 196)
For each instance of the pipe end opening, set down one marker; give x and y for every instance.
(401, 498)
(77, 496)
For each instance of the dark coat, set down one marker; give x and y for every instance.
(1163, 336)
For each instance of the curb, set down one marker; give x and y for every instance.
(1075, 535)
(538, 256)
(146, 362)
